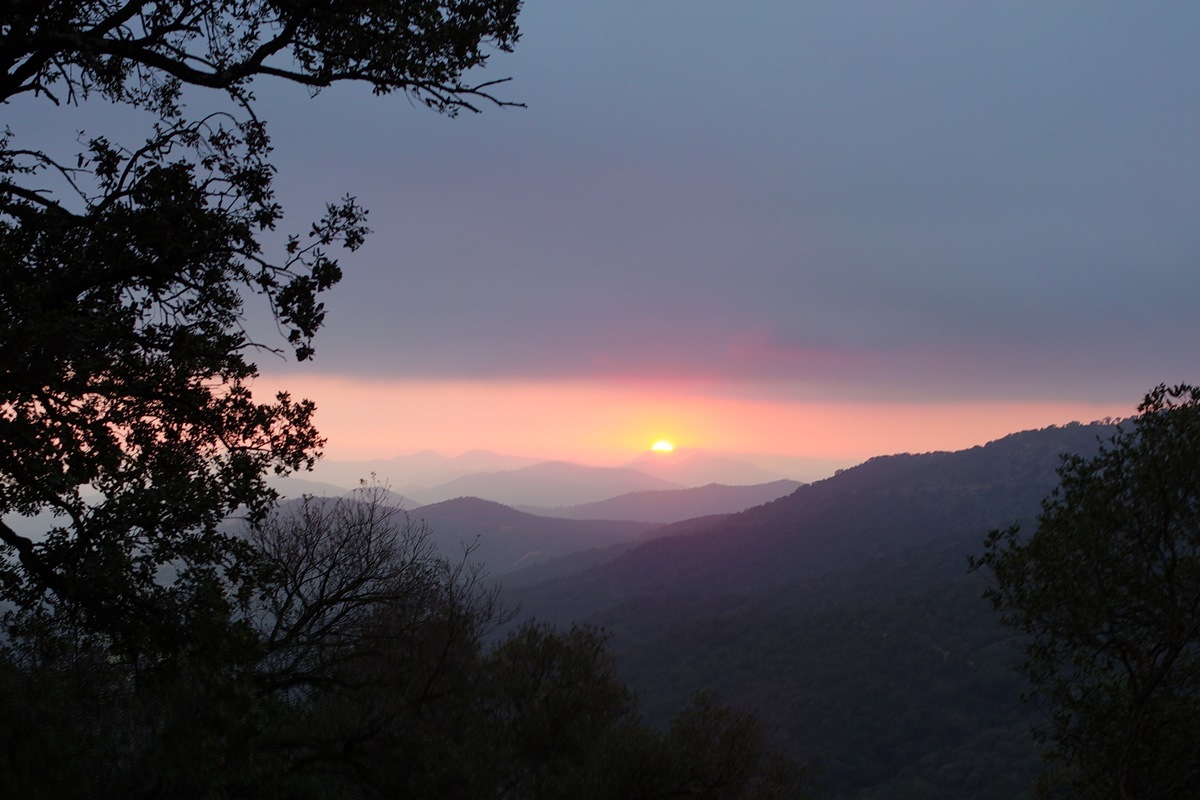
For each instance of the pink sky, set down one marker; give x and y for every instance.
(842, 234)
(605, 423)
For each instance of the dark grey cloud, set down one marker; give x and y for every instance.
(926, 199)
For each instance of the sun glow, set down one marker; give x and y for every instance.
(542, 420)
(662, 446)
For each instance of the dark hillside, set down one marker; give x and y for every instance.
(503, 539)
(583, 560)
(883, 506)
(507, 539)
(673, 505)
(897, 683)
(844, 615)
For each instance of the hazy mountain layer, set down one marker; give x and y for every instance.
(672, 505)
(550, 483)
(504, 539)
(882, 506)
(844, 615)
(415, 475)
(412, 473)
(700, 467)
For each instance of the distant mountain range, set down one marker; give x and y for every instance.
(881, 506)
(842, 613)
(500, 539)
(548, 484)
(672, 505)
(701, 467)
(414, 472)
(427, 477)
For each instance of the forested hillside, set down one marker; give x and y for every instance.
(844, 615)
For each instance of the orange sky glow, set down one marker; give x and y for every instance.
(599, 423)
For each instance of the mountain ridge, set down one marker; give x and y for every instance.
(547, 483)
(844, 616)
(503, 539)
(673, 505)
(880, 506)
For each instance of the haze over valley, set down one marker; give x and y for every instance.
(840, 611)
(622, 400)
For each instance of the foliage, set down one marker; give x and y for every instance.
(877, 508)
(151, 652)
(366, 676)
(891, 679)
(876, 661)
(125, 270)
(1107, 592)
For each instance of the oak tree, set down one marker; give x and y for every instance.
(126, 269)
(1107, 595)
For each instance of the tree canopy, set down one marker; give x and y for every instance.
(126, 408)
(151, 650)
(1107, 594)
(145, 53)
(362, 672)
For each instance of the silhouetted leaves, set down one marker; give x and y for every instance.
(1107, 592)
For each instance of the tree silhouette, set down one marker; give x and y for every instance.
(1107, 594)
(125, 270)
(363, 672)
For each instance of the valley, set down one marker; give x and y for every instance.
(840, 612)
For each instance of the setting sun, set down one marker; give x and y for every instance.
(662, 446)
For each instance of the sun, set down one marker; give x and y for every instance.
(662, 446)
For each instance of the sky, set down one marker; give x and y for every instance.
(813, 229)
